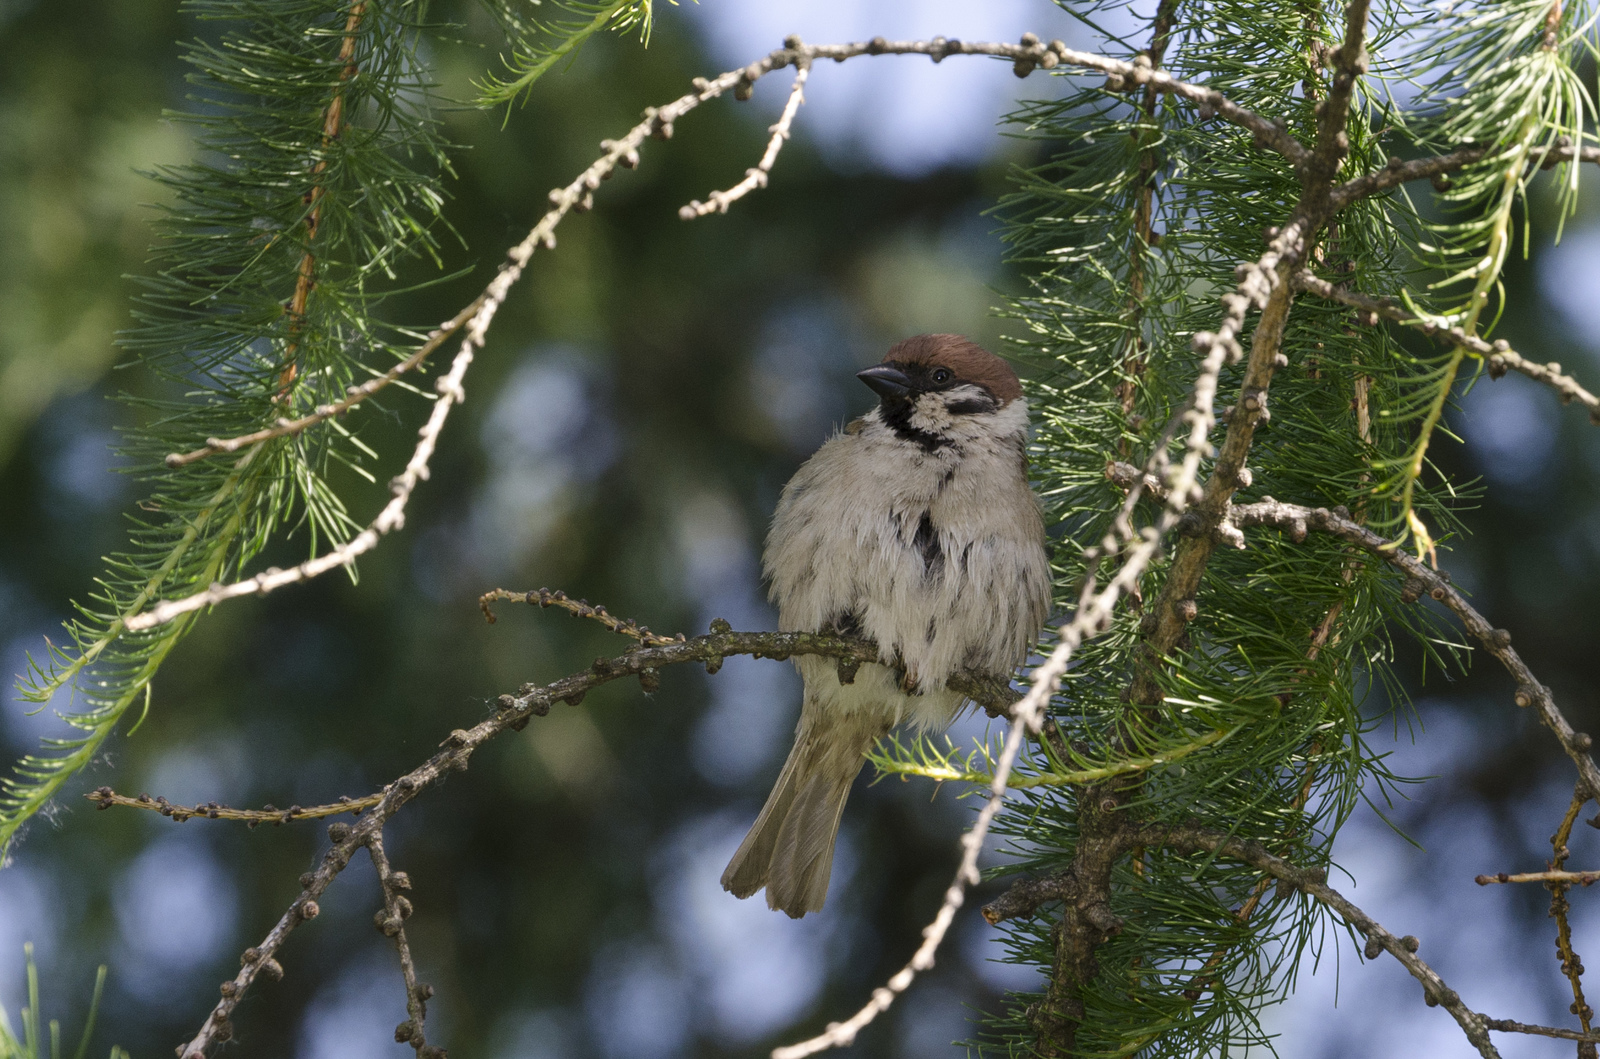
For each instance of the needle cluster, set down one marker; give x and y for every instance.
(316, 178)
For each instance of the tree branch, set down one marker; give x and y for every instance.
(1264, 285)
(1087, 922)
(1314, 883)
(1297, 520)
(1399, 172)
(659, 122)
(578, 608)
(1512, 1026)
(1499, 356)
(1420, 579)
(105, 798)
(719, 201)
(513, 714)
(353, 396)
(1571, 962)
(391, 923)
(1575, 878)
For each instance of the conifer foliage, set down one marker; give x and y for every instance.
(1131, 232)
(317, 175)
(1172, 814)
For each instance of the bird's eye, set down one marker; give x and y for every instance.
(942, 376)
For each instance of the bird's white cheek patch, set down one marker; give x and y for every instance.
(930, 415)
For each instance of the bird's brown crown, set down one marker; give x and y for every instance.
(969, 361)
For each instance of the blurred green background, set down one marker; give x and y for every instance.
(645, 393)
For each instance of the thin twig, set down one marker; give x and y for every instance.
(1511, 1026)
(1399, 172)
(1574, 878)
(578, 608)
(719, 201)
(105, 798)
(1315, 883)
(353, 396)
(391, 923)
(1571, 963)
(1499, 356)
(391, 518)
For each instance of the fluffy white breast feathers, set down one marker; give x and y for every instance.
(914, 527)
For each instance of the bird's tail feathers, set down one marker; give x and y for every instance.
(789, 849)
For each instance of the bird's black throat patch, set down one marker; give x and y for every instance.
(897, 417)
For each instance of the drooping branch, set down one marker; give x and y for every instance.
(1499, 357)
(1298, 520)
(391, 922)
(1315, 883)
(659, 122)
(1421, 580)
(756, 177)
(513, 714)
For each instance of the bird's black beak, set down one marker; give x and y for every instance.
(889, 383)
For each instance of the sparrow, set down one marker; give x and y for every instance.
(914, 527)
